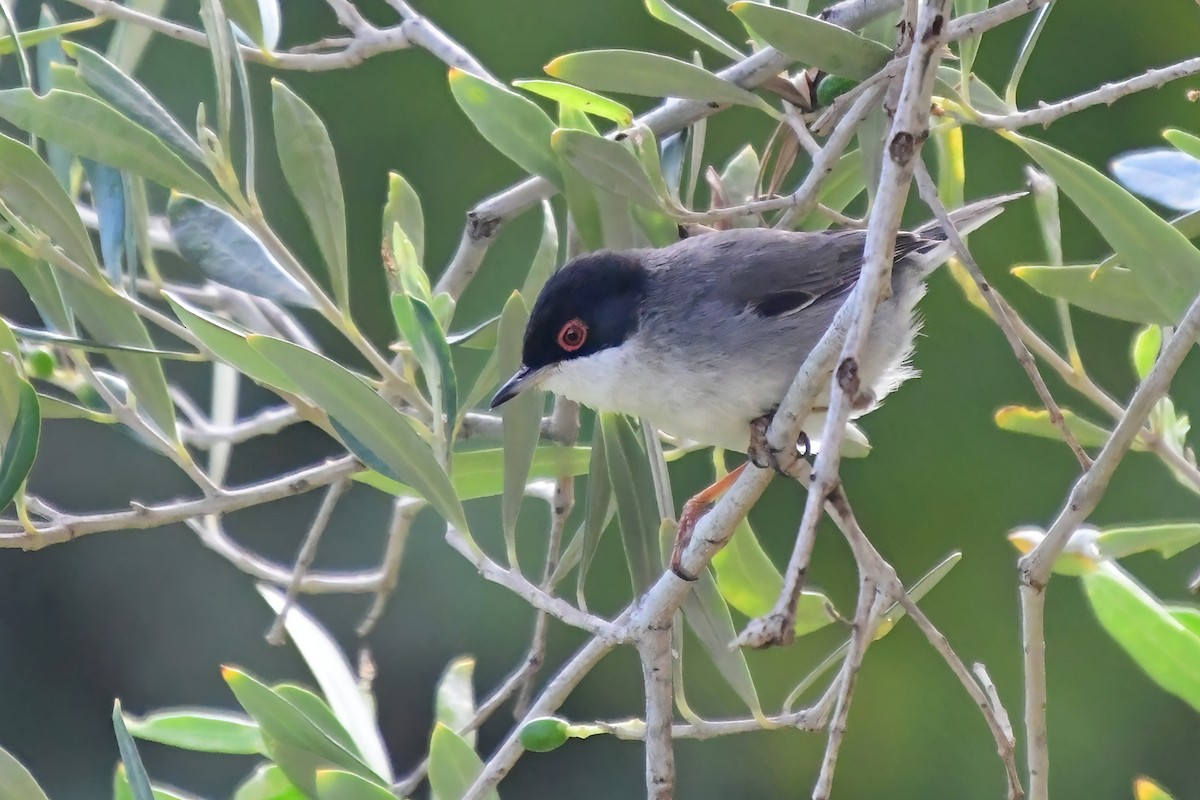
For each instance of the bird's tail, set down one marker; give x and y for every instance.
(933, 248)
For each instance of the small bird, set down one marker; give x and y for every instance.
(703, 337)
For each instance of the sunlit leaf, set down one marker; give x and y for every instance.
(608, 164)
(313, 706)
(1165, 263)
(20, 442)
(202, 729)
(814, 42)
(403, 208)
(581, 195)
(1036, 422)
(130, 98)
(599, 507)
(259, 19)
(1146, 789)
(453, 765)
(337, 680)
(310, 167)
(1188, 616)
(129, 39)
(224, 50)
(46, 33)
(1169, 539)
(1168, 177)
(1111, 291)
(39, 281)
(333, 784)
(546, 257)
(228, 252)
(513, 124)
(454, 701)
(268, 782)
(1146, 345)
(651, 74)
(576, 97)
(230, 345)
(1164, 648)
(89, 128)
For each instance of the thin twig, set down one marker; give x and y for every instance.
(404, 511)
(929, 193)
(306, 556)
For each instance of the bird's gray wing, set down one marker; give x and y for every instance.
(767, 272)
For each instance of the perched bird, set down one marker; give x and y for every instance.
(703, 337)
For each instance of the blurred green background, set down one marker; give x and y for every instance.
(150, 616)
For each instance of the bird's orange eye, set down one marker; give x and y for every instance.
(572, 335)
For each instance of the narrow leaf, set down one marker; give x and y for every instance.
(228, 252)
(455, 698)
(16, 782)
(21, 440)
(1167, 538)
(575, 97)
(403, 208)
(310, 167)
(371, 419)
(522, 417)
(1110, 291)
(1168, 177)
(453, 765)
(268, 782)
(139, 781)
(513, 124)
(665, 12)
(108, 196)
(87, 127)
(546, 257)
(1036, 422)
(200, 729)
(652, 75)
(39, 281)
(1157, 642)
(637, 509)
(224, 50)
(608, 164)
(230, 346)
(1165, 263)
(1146, 346)
(814, 42)
(335, 784)
(130, 98)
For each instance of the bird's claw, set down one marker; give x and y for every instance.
(762, 455)
(692, 511)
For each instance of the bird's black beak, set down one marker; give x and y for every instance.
(525, 378)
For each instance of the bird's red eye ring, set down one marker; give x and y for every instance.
(573, 335)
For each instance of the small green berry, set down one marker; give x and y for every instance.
(545, 734)
(41, 363)
(831, 87)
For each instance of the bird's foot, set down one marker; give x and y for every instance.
(764, 456)
(692, 511)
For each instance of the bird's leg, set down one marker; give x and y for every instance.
(764, 456)
(693, 510)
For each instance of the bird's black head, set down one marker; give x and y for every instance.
(591, 304)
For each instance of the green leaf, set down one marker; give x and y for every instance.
(16, 783)
(334, 784)
(89, 128)
(34, 335)
(582, 204)
(108, 196)
(28, 186)
(1146, 345)
(706, 613)
(650, 74)
(575, 97)
(513, 124)
(1164, 648)
(1169, 539)
(39, 281)
(1143, 787)
(306, 746)
(259, 19)
(608, 164)
(201, 729)
(46, 33)
(814, 42)
(599, 507)
(410, 276)
(230, 345)
(1183, 141)
(1188, 616)
(129, 39)
(1165, 263)
(224, 50)
(454, 701)
(546, 257)
(139, 781)
(268, 782)
(522, 417)
(739, 179)
(453, 765)
(1111, 291)
(21, 440)
(226, 251)
(56, 408)
(1036, 422)
(131, 99)
(318, 711)
(665, 12)
(310, 167)
(371, 419)
(481, 337)
(122, 790)
(480, 473)
(403, 208)
(749, 582)
(637, 509)
(338, 682)
(419, 327)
